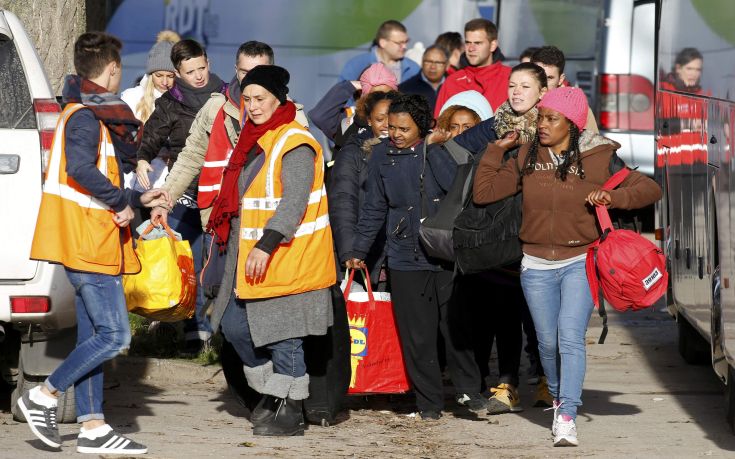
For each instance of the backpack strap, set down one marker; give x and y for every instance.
(460, 154)
(591, 263)
(422, 192)
(602, 215)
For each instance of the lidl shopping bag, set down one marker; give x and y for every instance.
(165, 287)
(376, 357)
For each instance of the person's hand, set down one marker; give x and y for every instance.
(157, 197)
(124, 217)
(159, 215)
(355, 263)
(142, 172)
(438, 136)
(509, 140)
(599, 198)
(256, 264)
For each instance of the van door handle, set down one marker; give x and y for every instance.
(700, 262)
(688, 253)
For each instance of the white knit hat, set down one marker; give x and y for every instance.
(472, 100)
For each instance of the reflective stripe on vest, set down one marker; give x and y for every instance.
(272, 203)
(218, 154)
(306, 261)
(73, 227)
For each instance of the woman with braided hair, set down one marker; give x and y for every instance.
(405, 183)
(560, 172)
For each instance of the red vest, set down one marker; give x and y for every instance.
(218, 154)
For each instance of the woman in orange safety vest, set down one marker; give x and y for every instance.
(271, 219)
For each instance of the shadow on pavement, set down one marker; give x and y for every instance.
(695, 388)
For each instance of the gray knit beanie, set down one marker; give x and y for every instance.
(159, 58)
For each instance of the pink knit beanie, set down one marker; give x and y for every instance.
(376, 75)
(570, 102)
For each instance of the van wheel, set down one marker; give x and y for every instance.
(692, 347)
(66, 412)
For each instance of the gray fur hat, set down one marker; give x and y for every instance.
(159, 58)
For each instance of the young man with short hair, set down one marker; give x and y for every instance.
(428, 82)
(389, 47)
(453, 44)
(83, 224)
(483, 75)
(212, 136)
(552, 60)
(164, 137)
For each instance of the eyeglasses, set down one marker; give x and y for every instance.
(434, 62)
(400, 43)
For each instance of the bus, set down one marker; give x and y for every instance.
(695, 112)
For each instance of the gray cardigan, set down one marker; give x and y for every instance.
(275, 319)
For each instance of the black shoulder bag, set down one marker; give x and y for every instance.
(487, 236)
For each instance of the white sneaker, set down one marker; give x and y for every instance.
(566, 432)
(555, 406)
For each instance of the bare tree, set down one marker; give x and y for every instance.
(54, 25)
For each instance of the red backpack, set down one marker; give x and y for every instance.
(630, 269)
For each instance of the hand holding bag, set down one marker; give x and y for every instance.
(165, 287)
(376, 357)
(628, 268)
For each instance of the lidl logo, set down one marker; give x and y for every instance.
(358, 341)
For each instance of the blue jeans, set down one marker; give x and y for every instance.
(561, 304)
(103, 331)
(287, 355)
(186, 221)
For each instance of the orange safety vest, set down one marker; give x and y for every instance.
(74, 228)
(218, 154)
(306, 262)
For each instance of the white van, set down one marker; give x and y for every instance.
(37, 312)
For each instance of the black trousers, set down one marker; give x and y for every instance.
(496, 303)
(423, 305)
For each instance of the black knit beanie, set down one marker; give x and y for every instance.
(271, 77)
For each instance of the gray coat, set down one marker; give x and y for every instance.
(275, 319)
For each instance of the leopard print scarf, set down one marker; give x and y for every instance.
(507, 120)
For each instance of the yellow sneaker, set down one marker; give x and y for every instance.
(542, 398)
(505, 400)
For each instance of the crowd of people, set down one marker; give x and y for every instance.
(233, 167)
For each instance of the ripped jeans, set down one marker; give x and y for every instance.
(103, 331)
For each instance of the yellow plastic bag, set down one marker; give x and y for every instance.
(165, 288)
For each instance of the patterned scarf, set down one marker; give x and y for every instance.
(506, 120)
(125, 130)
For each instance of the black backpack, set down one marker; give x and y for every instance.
(487, 236)
(435, 232)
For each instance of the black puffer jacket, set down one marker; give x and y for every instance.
(393, 202)
(346, 194)
(165, 132)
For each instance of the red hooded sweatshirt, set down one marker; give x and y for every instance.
(491, 81)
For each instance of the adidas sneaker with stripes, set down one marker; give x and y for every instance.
(110, 443)
(41, 419)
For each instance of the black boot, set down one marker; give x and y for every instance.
(288, 421)
(264, 410)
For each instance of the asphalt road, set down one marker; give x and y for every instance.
(640, 400)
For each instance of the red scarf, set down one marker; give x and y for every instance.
(227, 204)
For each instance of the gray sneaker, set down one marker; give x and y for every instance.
(41, 419)
(111, 443)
